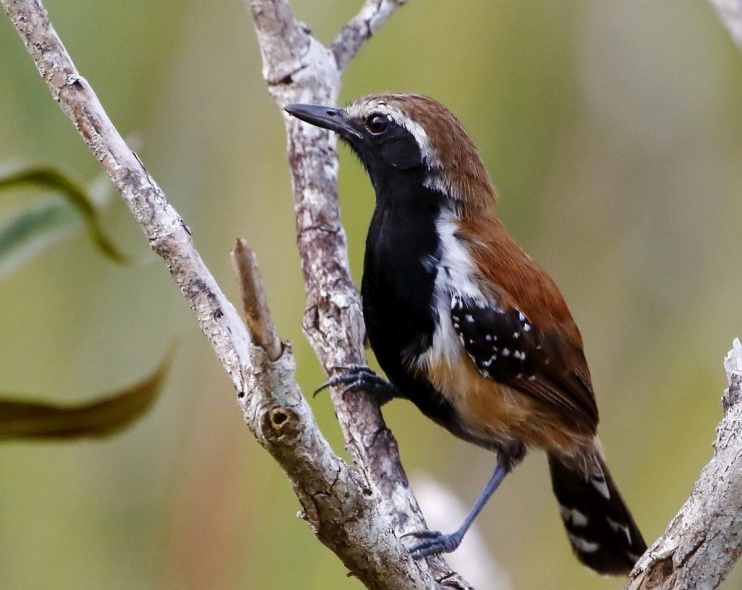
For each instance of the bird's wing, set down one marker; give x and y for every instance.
(515, 292)
(506, 346)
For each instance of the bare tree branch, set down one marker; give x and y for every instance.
(371, 17)
(730, 13)
(704, 541)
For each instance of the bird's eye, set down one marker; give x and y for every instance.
(377, 123)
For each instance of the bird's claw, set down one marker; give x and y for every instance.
(350, 376)
(433, 543)
(359, 377)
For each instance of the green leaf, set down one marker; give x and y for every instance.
(101, 417)
(37, 225)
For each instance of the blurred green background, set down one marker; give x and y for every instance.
(614, 134)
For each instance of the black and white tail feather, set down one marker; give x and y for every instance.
(599, 526)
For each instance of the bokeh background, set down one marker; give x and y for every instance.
(614, 134)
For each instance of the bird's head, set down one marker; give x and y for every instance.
(408, 138)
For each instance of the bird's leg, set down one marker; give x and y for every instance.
(433, 542)
(360, 377)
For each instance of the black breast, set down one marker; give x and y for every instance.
(398, 281)
(402, 251)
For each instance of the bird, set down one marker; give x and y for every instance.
(467, 326)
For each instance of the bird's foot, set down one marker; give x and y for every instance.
(360, 377)
(434, 542)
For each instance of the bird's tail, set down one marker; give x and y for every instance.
(600, 527)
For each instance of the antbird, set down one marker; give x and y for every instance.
(467, 326)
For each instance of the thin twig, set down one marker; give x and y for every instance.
(254, 303)
(371, 17)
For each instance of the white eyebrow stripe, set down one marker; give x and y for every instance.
(364, 109)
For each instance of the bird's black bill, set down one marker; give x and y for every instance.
(327, 117)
